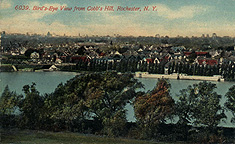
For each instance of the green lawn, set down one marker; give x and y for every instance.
(41, 137)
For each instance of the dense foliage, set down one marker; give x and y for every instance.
(95, 96)
(8, 105)
(230, 103)
(8, 101)
(200, 105)
(95, 103)
(152, 108)
(30, 108)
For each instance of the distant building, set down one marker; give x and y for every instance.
(214, 36)
(157, 35)
(34, 55)
(3, 33)
(49, 34)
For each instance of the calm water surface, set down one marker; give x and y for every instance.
(46, 82)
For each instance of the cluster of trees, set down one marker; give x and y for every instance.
(95, 103)
(225, 70)
(199, 43)
(87, 103)
(123, 65)
(134, 65)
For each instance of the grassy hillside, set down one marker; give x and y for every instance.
(41, 137)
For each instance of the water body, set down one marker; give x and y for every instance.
(46, 82)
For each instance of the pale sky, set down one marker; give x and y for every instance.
(172, 18)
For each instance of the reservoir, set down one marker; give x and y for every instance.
(46, 82)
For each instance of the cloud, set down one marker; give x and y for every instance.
(34, 27)
(4, 4)
(109, 23)
(25, 21)
(183, 12)
(116, 24)
(199, 28)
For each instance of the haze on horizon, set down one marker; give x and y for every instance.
(173, 17)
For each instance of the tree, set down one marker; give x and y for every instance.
(8, 101)
(30, 107)
(101, 97)
(200, 105)
(8, 104)
(192, 57)
(152, 108)
(230, 103)
(108, 94)
(66, 105)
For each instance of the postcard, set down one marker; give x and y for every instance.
(111, 71)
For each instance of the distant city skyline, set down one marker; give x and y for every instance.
(172, 18)
(48, 34)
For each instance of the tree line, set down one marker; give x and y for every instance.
(135, 65)
(95, 103)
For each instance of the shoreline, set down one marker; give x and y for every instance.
(175, 76)
(217, 78)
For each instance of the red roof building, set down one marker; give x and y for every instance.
(150, 60)
(187, 53)
(201, 53)
(102, 54)
(207, 61)
(78, 58)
